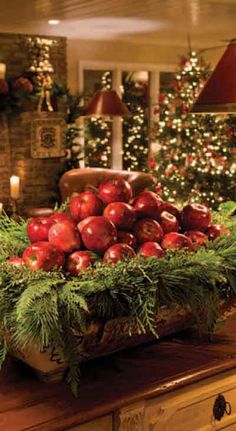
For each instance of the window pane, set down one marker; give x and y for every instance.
(135, 87)
(98, 133)
(166, 81)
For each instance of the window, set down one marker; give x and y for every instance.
(122, 143)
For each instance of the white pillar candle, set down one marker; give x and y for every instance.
(1, 208)
(15, 187)
(2, 71)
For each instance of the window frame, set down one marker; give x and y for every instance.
(117, 68)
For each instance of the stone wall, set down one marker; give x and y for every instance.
(39, 177)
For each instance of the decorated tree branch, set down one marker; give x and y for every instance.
(98, 134)
(135, 127)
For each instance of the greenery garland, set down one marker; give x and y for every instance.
(44, 307)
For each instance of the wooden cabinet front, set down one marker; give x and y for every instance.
(191, 408)
(100, 424)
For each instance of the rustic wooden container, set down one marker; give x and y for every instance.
(103, 339)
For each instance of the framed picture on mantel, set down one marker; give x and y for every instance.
(47, 135)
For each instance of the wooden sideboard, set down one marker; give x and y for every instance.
(171, 385)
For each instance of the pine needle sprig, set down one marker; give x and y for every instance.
(47, 308)
(38, 323)
(4, 348)
(13, 236)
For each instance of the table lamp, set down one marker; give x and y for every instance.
(219, 93)
(106, 103)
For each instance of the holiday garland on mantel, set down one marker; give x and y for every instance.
(44, 307)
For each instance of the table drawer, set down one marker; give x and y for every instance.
(102, 424)
(191, 408)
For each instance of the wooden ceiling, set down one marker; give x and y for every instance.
(207, 22)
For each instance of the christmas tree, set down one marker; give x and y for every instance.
(98, 135)
(135, 127)
(74, 147)
(196, 160)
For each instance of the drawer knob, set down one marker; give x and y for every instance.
(221, 407)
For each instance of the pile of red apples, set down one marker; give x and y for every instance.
(110, 225)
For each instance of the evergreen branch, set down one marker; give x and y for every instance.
(13, 237)
(43, 308)
(3, 350)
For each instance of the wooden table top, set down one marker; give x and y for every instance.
(113, 382)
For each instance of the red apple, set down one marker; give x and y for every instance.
(38, 227)
(198, 238)
(174, 240)
(80, 260)
(147, 204)
(58, 217)
(40, 255)
(196, 217)
(115, 190)
(151, 249)
(60, 258)
(84, 205)
(64, 236)
(83, 222)
(168, 222)
(127, 238)
(148, 229)
(172, 209)
(121, 214)
(216, 230)
(98, 234)
(118, 252)
(16, 261)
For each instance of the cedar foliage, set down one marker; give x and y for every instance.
(45, 307)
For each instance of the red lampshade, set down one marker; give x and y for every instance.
(106, 103)
(219, 92)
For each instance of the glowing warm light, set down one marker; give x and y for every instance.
(15, 187)
(54, 21)
(2, 71)
(104, 28)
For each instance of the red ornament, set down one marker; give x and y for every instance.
(186, 109)
(161, 97)
(151, 162)
(175, 84)
(158, 189)
(230, 132)
(156, 111)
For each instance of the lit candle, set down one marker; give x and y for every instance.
(2, 70)
(1, 208)
(15, 187)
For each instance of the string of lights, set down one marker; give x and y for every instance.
(98, 135)
(196, 160)
(134, 129)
